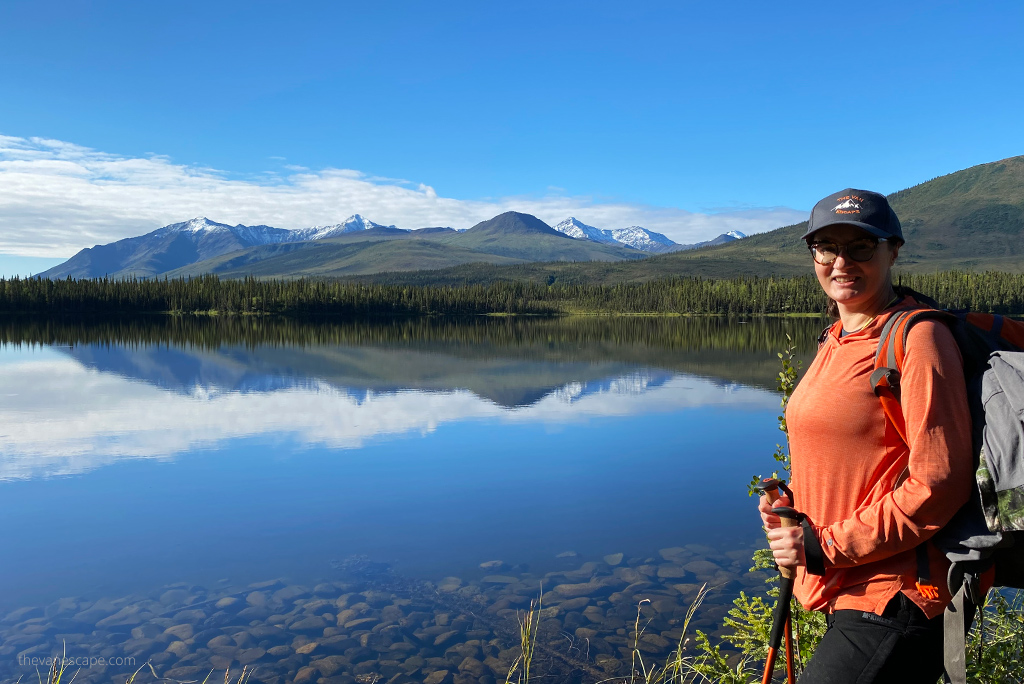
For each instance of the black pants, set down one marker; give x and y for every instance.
(900, 647)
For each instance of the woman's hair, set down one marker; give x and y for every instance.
(832, 308)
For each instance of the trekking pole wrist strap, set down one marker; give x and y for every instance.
(813, 553)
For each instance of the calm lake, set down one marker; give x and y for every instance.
(204, 493)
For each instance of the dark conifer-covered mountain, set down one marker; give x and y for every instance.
(513, 223)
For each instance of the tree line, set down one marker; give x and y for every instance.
(993, 292)
(566, 338)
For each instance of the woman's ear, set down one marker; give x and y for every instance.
(894, 252)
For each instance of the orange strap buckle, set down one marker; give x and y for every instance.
(929, 590)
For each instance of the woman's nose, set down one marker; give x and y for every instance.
(841, 258)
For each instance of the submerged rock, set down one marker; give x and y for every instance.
(226, 602)
(257, 599)
(499, 579)
(306, 649)
(576, 590)
(250, 655)
(449, 585)
(438, 677)
(613, 559)
(182, 632)
(702, 568)
(493, 565)
(671, 571)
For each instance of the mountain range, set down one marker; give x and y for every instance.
(969, 219)
(358, 246)
(636, 237)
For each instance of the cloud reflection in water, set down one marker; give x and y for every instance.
(67, 413)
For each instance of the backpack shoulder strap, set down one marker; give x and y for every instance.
(889, 357)
(824, 334)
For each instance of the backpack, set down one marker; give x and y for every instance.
(986, 536)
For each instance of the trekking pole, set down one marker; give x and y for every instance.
(781, 616)
(771, 486)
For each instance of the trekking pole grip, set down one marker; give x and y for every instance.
(771, 486)
(789, 518)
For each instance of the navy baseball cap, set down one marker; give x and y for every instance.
(867, 210)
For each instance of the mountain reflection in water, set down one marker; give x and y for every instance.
(128, 389)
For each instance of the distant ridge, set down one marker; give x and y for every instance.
(509, 238)
(969, 220)
(636, 237)
(204, 246)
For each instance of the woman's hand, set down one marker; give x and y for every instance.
(769, 519)
(786, 543)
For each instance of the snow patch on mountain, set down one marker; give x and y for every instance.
(265, 235)
(575, 228)
(735, 234)
(640, 238)
(636, 237)
(196, 225)
(202, 228)
(352, 224)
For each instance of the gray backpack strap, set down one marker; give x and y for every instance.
(956, 621)
(954, 641)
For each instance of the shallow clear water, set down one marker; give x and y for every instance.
(133, 461)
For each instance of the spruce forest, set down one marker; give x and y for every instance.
(993, 292)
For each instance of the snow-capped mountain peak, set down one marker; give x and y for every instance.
(197, 225)
(575, 228)
(736, 234)
(640, 238)
(636, 237)
(352, 224)
(359, 222)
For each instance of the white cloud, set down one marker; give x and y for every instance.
(57, 198)
(59, 417)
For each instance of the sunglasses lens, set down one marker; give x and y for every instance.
(827, 252)
(824, 252)
(861, 251)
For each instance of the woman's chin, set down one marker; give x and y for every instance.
(846, 296)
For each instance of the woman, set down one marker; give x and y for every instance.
(870, 498)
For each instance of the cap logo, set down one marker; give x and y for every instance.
(847, 205)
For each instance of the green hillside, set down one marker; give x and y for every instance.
(330, 258)
(971, 219)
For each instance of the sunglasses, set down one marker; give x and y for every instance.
(858, 250)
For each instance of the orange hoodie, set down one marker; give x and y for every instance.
(871, 498)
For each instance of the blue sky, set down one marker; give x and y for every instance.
(692, 108)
